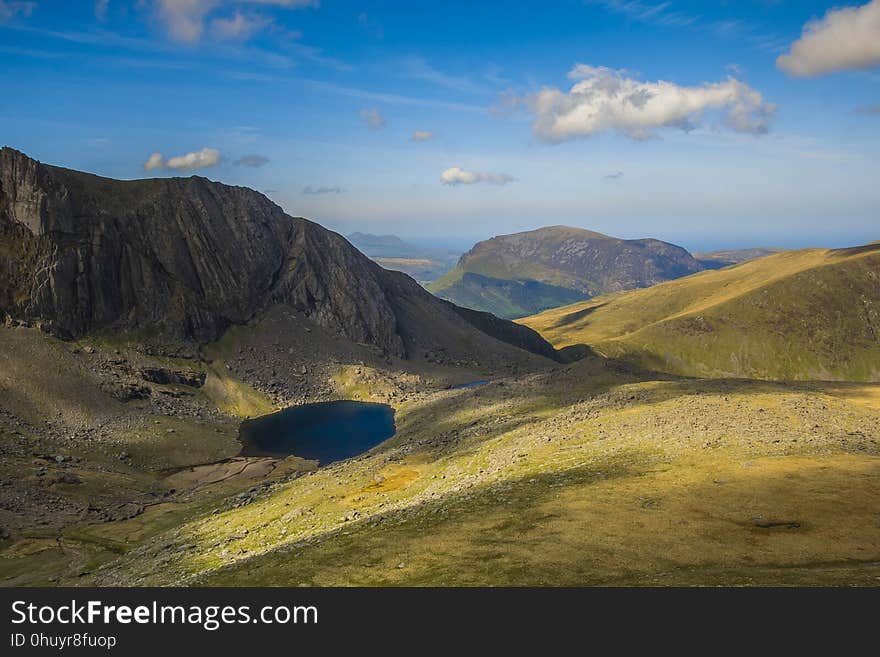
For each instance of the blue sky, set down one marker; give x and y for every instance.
(455, 121)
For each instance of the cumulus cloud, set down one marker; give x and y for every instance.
(253, 161)
(184, 20)
(422, 135)
(373, 118)
(602, 100)
(155, 161)
(11, 8)
(321, 190)
(458, 176)
(844, 39)
(207, 157)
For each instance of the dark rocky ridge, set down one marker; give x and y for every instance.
(188, 257)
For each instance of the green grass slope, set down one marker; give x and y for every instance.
(507, 298)
(809, 314)
(579, 476)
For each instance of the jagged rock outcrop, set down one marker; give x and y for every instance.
(188, 257)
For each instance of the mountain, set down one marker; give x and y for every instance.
(808, 314)
(524, 273)
(383, 245)
(422, 263)
(187, 258)
(719, 259)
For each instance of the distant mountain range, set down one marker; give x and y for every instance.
(524, 273)
(422, 263)
(719, 259)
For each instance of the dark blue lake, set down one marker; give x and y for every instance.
(325, 432)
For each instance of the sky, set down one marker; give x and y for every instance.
(712, 124)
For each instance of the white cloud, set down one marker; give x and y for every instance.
(13, 8)
(184, 20)
(321, 190)
(844, 39)
(422, 135)
(458, 176)
(207, 157)
(604, 100)
(373, 118)
(155, 161)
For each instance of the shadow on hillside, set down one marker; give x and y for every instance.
(794, 521)
(469, 417)
(577, 315)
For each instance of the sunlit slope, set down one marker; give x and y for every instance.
(579, 476)
(810, 314)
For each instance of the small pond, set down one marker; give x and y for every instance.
(324, 432)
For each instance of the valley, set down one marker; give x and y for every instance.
(587, 473)
(721, 428)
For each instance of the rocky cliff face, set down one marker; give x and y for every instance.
(187, 257)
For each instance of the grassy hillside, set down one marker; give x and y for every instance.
(509, 298)
(524, 273)
(810, 314)
(580, 476)
(588, 474)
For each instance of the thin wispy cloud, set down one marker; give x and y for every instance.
(662, 13)
(317, 56)
(843, 40)
(370, 25)
(202, 159)
(454, 176)
(668, 15)
(382, 97)
(605, 100)
(355, 92)
(239, 26)
(102, 7)
(617, 175)
(416, 68)
(373, 118)
(11, 8)
(252, 161)
(309, 190)
(422, 135)
(185, 20)
(869, 110)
